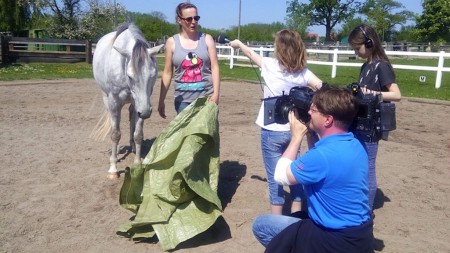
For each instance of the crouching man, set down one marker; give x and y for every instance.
(334, 173)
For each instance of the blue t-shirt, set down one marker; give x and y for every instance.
(334, 174)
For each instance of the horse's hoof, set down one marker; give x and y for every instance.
(113, 176)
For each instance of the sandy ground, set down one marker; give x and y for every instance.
(55, 197)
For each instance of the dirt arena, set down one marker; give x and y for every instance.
(55, 197)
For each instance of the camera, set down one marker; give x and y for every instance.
(276, 109)
(373, 120)
(366, 125)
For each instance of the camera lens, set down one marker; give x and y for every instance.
(282, 107)
(284, 113)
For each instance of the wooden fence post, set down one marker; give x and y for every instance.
(88, 52)
(4, 59)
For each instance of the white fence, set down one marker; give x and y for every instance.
(227, 52)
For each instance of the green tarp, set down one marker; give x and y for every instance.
(174, 192)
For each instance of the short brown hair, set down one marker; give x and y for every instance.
(337, 102)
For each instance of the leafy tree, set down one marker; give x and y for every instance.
(99, 20)
(213, 32)
(154, 26)
(328, 13)
(14, 15)
(434, 22)
(36, 9)
(407, 33)
(298, 23)
(74, 19)
(347, 28)
(383, 18)
(64, 19)
(256, 32)
(159, 15)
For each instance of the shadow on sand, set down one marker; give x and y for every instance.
(379, 201)
(231, 173)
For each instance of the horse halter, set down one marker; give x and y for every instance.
(367, 41)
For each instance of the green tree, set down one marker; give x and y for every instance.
(154, 26)
(256, 32)
(75, 19)
(347, 28)
(328, 13)
(434, 22)
(15, 15)
(36, 9)
(99, 20)
(298, 23)
(64, 18)
(382, 16)
(407, 33)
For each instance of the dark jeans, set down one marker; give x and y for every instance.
(180, 106)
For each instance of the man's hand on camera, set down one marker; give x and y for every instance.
(298, 129)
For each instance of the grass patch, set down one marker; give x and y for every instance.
(46, 71)
(408, 80)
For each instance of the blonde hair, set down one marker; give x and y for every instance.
(290, 50)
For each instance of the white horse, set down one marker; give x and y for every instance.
(125, 68)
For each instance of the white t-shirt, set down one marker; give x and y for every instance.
(278, 81)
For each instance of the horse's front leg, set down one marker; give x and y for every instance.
(137, 131)
(133, 118)
(115, 138)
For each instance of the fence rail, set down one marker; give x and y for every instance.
(62, 50)
(21, 49)
(227, 52)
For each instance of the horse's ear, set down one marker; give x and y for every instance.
(154, 50)
(130, 70)
(122, 51)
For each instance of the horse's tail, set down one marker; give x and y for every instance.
(103, 127)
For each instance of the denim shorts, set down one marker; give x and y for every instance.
(273, 145)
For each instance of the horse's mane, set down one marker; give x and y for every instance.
(139, 54)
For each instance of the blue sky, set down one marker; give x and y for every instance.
(218, 14)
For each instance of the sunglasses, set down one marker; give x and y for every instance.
(189, 19)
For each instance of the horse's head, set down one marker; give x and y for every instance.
(142, 72)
